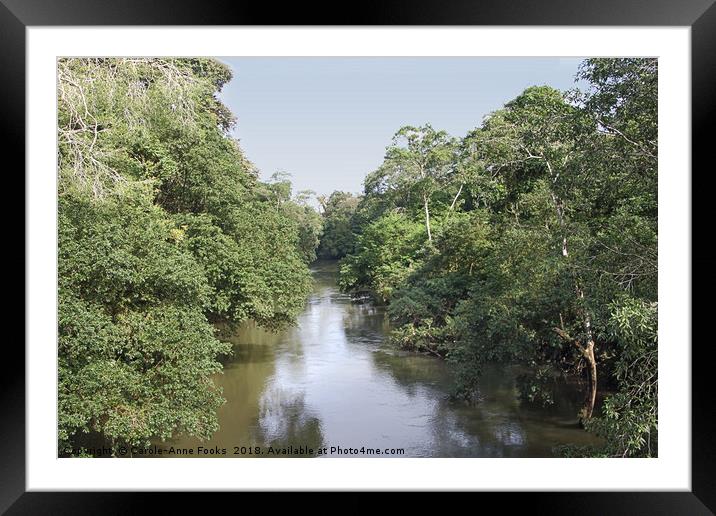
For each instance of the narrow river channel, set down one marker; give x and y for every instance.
(334, 381)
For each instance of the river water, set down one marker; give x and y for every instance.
(333, 381)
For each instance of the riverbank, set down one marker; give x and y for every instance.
(333, 381)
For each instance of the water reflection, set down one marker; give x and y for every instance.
(332, 381)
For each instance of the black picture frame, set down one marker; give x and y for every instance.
(700, 15)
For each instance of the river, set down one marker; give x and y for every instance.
(333, 381)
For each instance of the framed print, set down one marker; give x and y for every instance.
(420, 249)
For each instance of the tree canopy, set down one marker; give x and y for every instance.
(539, 245)
(531, 240)
(165, 233)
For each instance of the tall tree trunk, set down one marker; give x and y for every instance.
(587, 350)
(427, 218)
(591, 397)
(457, 195)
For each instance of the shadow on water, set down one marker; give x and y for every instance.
(333, 381)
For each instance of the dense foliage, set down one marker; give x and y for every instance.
(338, 236)
(531, 240)
(164, 231)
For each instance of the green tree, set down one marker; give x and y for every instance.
(338, 237)
(386, 252)
(418, 161)
(629, 417)
(309, 222)
(164, 230)
(135, 348)
(542, 246)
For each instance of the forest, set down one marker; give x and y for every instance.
(165, 235)
(530, 241)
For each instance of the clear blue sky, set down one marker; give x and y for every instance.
(327, 121)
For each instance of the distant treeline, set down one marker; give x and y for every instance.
(532, 240)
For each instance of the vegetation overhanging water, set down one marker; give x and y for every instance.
(531, 242)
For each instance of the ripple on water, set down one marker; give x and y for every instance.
(333, 379)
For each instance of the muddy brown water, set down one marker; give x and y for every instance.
(333, 385)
